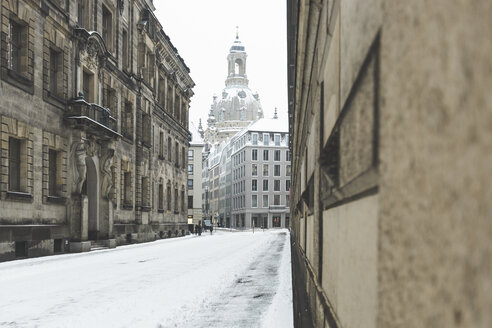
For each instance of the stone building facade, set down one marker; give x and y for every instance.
(94, 113)
(391, 113)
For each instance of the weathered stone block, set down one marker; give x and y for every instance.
(79, 247)
(110, 243)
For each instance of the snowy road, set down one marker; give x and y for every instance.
(230, 279)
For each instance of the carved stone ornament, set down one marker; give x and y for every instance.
(93, 148)
(92, 57)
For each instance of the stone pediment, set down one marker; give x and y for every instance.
(91, 42)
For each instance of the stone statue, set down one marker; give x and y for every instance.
(107, 175)
(79, 167)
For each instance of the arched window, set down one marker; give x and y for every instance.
(238, 67)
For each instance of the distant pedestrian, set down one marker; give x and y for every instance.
(199, 230)
(211, 229)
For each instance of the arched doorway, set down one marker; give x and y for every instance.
(93, 196)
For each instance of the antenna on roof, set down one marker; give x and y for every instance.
(237, 32)
(275, 116)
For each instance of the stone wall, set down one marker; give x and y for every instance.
(391, 138)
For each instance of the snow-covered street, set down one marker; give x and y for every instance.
(229, 279)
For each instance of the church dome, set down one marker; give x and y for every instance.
(236, 102)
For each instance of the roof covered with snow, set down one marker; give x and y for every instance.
(196, 139)
(269, 125)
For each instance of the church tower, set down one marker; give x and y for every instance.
(237, 106)
(237, 64)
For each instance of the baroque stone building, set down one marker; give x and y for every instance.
(391, 112)
(94, 113)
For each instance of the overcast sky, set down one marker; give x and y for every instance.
(203, 31)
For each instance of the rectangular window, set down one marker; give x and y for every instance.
(110, 101)
(254, 154)
(54, 72)
(190, 184)
(254, 200)
(254, 170)
(88, 86)
(127, 123)
(168, 196)
(124, 50)
(161, 196)
(183, 156)
(276, 199)
(176, 154)
(266, 139)
(276, 185)
(265, 170)
(176, 200)
(16, 46)
(83, 13)
(169, 148)
(190, 169)
(52, 172)
(254, 139)
(191, 154)
(145, 191)
(287, 170)
(162, 92)
(128, 188)
(183, 201)
(107, 28)
(14, 164)
(276, 170)
(254, 185)
(276, 155)
(287, 156)
(146, 129)
(287, 200)
(190, 202)
(276, 139)
(265, 200)
(161, 144)
(287, 185)
(265, 155)
(265, 185)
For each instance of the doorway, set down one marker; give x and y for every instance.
(276, 221)
(92, 197)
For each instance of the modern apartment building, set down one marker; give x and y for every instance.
(261, 172)
(195, 159)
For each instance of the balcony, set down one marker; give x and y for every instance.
(92, 118)
(277, 208)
